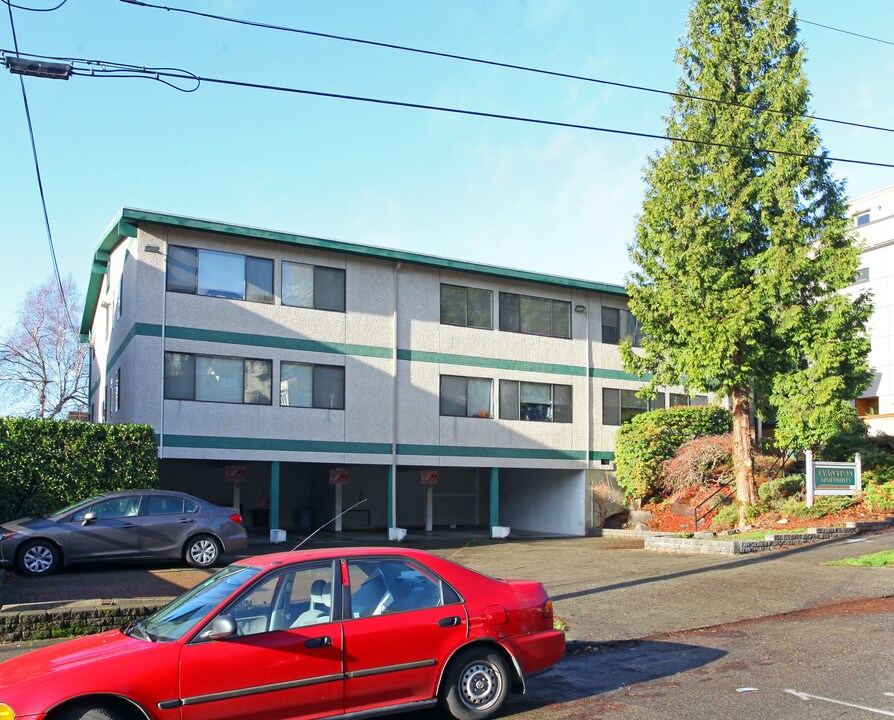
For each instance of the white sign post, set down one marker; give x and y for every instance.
(832, 478)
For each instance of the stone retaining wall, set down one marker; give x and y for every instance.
(41, 621)
(704, 543)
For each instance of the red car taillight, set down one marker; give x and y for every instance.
(546, 610)
(236, 518)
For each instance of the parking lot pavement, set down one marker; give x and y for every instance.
(604, 589)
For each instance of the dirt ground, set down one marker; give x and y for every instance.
(665, 519)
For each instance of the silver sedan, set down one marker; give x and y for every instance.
(145, 524)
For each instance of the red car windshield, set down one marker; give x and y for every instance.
(173, 621)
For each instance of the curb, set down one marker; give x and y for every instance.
(671, 543)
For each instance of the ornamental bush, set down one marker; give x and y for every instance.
(775, 491)
(879, 498)
(48, 464)
(653, 437)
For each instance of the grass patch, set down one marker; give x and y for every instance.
(885, 558)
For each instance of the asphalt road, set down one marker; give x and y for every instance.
(774, 635)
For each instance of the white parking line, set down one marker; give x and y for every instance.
(805, 696)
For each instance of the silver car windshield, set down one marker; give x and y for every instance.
(173, 621)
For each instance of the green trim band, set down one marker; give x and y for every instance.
(497, 363)
(617, 375)
(273, 341)
(242, 443)
(601, 455)
(327, 446)
(494, 452)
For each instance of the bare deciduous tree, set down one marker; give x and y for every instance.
(43, 363)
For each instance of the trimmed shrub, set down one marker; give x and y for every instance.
(822, 506)
(879, 498)
(698, 463)
(651, 438)
(48, 464)
(727, 517)
(773, 492)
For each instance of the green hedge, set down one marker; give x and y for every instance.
(48, 464)
(650, 438)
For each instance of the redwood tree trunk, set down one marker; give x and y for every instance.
(743, 461)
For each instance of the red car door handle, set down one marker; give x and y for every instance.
(451, 621)
(319, 642)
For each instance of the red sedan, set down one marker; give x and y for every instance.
(308, 634)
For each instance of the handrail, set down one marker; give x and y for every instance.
(695, 516)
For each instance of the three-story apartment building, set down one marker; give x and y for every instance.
(297, 376)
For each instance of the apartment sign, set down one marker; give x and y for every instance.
(832, 478)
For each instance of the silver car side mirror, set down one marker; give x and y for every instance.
(221, 628)
(89, 518)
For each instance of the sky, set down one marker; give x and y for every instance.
(547, 199)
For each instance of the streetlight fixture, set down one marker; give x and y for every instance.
(37, 68)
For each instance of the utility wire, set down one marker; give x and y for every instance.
(495, 63)
(43, 199)
(31, 9)
(846, 32)
(104, 69)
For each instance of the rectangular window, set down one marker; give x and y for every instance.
(316, 386)
(116, 391)
(861, 218)
(535, 315)
(678, 399)
(466, 397)
(120, 300)
(213, 378)
(861, 276)
(219, 274)
(538, 402)
(467, 307)
(313, 286)
(619, 406)
(618, 324)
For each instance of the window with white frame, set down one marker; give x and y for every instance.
(467, 307)
(311, 386)
(678, 399)
(216, 378)
(466, 396)
(535, 315)
(862, 218)
(313, 286)
(618, 324)
(861, 276)
(219, 274)
(539, 402)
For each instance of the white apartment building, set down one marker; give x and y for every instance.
(874, 220)
(295, 376)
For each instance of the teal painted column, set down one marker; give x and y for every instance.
(391, 496)
(494, 497)
(274, 495)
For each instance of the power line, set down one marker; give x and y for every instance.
(31, 9)
(43, 199)
(846, 32)
(104, 69)
(495, 63)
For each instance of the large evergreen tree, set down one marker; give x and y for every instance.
(744, 243)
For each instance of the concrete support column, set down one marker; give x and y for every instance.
(496, 530)
(274, 498)
(394, 533)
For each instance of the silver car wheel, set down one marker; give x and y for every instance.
(202, 552)
(479, 685)
(38, 559)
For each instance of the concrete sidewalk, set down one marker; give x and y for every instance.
(603, 588)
